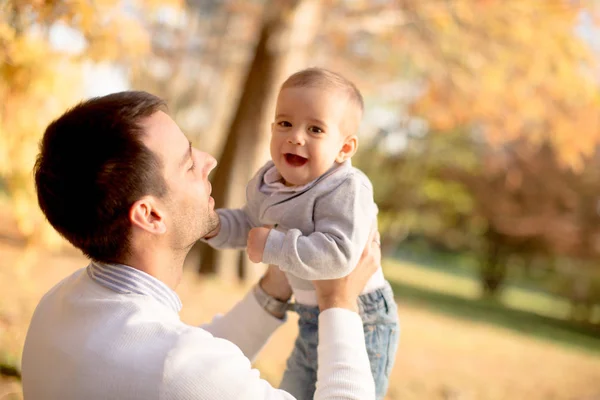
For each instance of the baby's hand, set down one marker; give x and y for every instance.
(257, 239)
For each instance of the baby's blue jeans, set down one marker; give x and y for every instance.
(379, 314)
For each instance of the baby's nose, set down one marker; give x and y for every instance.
(296, 138)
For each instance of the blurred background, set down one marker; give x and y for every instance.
(481, 136)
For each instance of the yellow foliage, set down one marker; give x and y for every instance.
(38, 80)
(515, 68)
(35, 86)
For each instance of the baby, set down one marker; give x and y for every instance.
(322, 211)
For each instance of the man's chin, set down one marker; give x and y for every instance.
(213, 227)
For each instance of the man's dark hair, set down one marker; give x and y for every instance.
(93, 166)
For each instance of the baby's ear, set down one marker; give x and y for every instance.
(348, 149)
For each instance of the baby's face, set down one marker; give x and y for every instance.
(306, 135)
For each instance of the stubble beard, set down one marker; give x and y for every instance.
(204, 224)
(212, 222)
(191, 228)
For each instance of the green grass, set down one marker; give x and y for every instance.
(466, 287)
(466, 264)
(528, 312)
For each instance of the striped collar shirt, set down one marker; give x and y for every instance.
(125, 279)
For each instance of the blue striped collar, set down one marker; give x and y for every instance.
(124, 279)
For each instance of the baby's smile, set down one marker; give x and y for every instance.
(295, 160)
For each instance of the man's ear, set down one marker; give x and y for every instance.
(149, 215)
(348, 149)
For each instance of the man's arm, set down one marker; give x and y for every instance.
(203, 367)
(248, 325)
(343, 218)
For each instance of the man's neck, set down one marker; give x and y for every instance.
(167, 268)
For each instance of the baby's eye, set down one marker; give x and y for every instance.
(284, 124)
(315, 129)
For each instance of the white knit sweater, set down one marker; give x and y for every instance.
(87, 341)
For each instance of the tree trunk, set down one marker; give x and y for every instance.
(493, 265)
(289, 27)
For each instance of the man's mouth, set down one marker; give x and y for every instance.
(295, 160)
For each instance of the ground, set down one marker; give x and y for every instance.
(440, 356)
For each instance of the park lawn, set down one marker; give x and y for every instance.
(528, 312)
(466, 287)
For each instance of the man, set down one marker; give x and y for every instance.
(118, 179)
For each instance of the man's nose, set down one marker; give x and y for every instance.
(210, 163)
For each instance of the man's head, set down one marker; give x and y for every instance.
(113, 175)
(316, 120)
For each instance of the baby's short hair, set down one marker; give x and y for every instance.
(324, 79)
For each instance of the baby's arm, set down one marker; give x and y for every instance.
(233, 233)
(236, 223)
(343, 219)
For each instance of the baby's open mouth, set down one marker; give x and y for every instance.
(295, 160)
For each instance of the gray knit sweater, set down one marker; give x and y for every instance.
(320, 231)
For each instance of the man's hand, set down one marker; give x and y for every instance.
(344, 292)
(275, 284)
(257, 239)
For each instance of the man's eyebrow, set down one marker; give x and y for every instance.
(186, 156)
